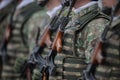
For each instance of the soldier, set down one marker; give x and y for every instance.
(24, 10)
(110, 68)
(6, 7)
(80, 37)
(52, 6)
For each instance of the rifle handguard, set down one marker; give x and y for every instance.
(97, 55)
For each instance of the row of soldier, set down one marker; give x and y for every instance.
(84, 33)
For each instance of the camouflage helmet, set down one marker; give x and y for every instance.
(42, 3)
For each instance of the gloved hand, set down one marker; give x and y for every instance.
(19, 64)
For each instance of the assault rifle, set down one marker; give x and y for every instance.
(47, 66)
(98, 56)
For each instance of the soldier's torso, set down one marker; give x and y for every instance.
(72, 60)
(110, 69)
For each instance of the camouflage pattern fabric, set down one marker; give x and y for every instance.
(37, 21)
(110, 69)
(85, 27)
(16, 45)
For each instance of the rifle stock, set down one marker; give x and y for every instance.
(57, 44)
(45, 39)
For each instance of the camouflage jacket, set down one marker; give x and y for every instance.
(84, 28)
(110, 69)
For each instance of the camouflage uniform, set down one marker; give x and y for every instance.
(110, 69)
(16, 45)
(84, 28)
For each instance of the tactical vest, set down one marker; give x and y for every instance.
(110, 69)
(16, 47)
(69, 64)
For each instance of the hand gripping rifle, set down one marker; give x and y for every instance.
(98, 56)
